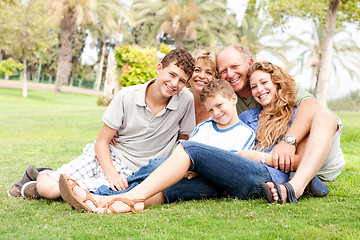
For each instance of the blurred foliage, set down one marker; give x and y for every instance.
(281, 10)
(164, 48)
(136, 64)
(349, 102)
(182, 23)
(9, 66)
(26, 30)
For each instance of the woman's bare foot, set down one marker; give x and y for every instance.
(121, 204)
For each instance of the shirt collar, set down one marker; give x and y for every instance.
(140, 100)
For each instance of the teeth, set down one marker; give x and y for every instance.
(170, 88)
(234, 80)
(200, 82)
(263, 95)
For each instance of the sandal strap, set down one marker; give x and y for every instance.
(290, 193)
(88, 196)
(73, 184)
(129, 202)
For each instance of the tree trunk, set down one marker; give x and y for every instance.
(24, 92)
(180, 36)
(111, 86)
(101, 66)
(73, 71)
(65, 56)
(326, 50)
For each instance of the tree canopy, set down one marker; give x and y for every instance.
(281, 10)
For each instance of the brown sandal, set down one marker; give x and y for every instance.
(131, 203)
(69, 197)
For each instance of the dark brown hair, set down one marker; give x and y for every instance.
(180, 58)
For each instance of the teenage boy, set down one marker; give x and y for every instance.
(147, 118)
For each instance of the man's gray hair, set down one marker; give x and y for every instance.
(242, 49)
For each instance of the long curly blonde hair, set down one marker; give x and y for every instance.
(275, 119)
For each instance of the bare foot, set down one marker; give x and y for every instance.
(121, 204)
(86, 197)
(275, 193)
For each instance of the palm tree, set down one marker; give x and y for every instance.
(105, 25)
(345, 53)
(182, 19)
(259, 35)
(71, 13)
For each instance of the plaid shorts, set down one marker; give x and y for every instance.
(86, 169)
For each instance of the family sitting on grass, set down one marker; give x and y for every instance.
(282, 144)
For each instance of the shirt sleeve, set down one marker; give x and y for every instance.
(200, 134)
(114, 113)
(187, 123)
(301, 95)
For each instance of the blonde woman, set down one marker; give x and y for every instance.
(204, 72)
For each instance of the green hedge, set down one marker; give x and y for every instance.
(9, 66)
(137, 65)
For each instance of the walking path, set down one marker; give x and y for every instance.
(46, 86)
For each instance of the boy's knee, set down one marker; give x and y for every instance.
(326, 119)
(47, 187)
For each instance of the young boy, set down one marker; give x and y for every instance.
(224, 130)
(147, 118)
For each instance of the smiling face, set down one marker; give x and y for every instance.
(203, 74)
(222, 110)
(233, 67)
(170, 80)
(262, 87)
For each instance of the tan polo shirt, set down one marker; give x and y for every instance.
(143, 136)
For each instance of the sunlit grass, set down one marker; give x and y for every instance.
(50, 129)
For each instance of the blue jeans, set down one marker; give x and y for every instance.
(134, 179)
(220, 173)
(237, 176)
(194, 189)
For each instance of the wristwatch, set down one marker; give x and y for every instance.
(291, 140)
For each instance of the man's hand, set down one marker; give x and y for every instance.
(189, 175)
(118, 183)
(283, 156)
(113, 140)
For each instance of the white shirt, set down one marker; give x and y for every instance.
(238, 137)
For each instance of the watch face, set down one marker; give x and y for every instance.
(290, 139)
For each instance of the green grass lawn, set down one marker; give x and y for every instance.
(50, 129)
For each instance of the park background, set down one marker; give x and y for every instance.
(52, 44)
(72, 42)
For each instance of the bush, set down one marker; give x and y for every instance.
(164, 48)
(9, 66)
(104, 100)
(137, 65)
